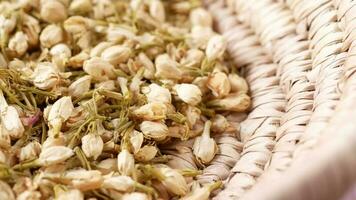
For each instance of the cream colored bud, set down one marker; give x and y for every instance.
(53, 11)
(204, 147)
(151, 111)
(18, 43)
(136, 140)
(99, 69)
(167, 68)
(92, 145)
(73, 194)
(174, 182)
(146, 153)
(31, 27)
(136, 4)
(155, 130)
(219, 84)
(3, 62)
(45, 76)
(219, 124)
(156, 93)
(193, 58)
(3, 157)
(77, 61)
(119, 33)
(80, 86)
(125, 163)
(55, 155)
(30, 151)
(116, 54)
(106, 85)
(200, 36)
(60, 111)
(6, 191)
(61, 50)
(150, 70)
(50, 142)
(135, 196)
(156, 10)
(238, 84)
(85, 180)
(192, 114)
(77, 25)
(108, 165)
(188, 93)
(29, 195)
(201, 17)
(119, 183)
(51, 35)
(237, 102)
(80, 6)
(11, 122)
(7, 24)
(216, 47)
(99, 48)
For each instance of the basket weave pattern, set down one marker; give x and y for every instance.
(299, 59)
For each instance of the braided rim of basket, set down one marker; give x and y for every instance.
(299, 59)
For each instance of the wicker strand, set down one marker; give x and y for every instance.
(258, 130)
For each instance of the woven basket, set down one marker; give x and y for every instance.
(299, 139)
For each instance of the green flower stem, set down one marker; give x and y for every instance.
(190, 172)
(83, 159)
(177, 117)
(215, 185)
(27, 165)
(143, 188)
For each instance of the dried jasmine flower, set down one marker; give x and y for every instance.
(103, 99)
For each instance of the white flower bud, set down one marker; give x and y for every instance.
(200, 36)
(204, 147)
(3, 157)
(18, 43)
(136, 140)
(99, 48)
(61, 50)
(119, 33)
(106, 85)
(116, 54)
(150, 70)
(188, 93)
(85, 180)
(167, 68)
(136, 4)
(7, 25)
(53, 11)
(70, 194)
(174, 182)
(216, 47)
(151, 111)
(11, 122)
(156, 10)
(60, 111)
(201, 17)
(219, 124)
(92, 145)
(238, 84)
(29, 195)
(125, 163)
(146, 153)
(156, 93)
(51, 35)
(155, 130)
(135, 196)
(77, 26)
(219, 84)
(80, 86)
(54, 155)
(237, 102)
(6, 191)
(192, 114)
(50, 142)
(45, 76)
(108, 165)
(99, 69)
(77, 61)
(80, 6)
(30, 151)
(193, 58)
(119, 183)
(31, 27)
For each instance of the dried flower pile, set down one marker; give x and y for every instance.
(91, 89)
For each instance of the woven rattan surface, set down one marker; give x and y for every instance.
(299, 138)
